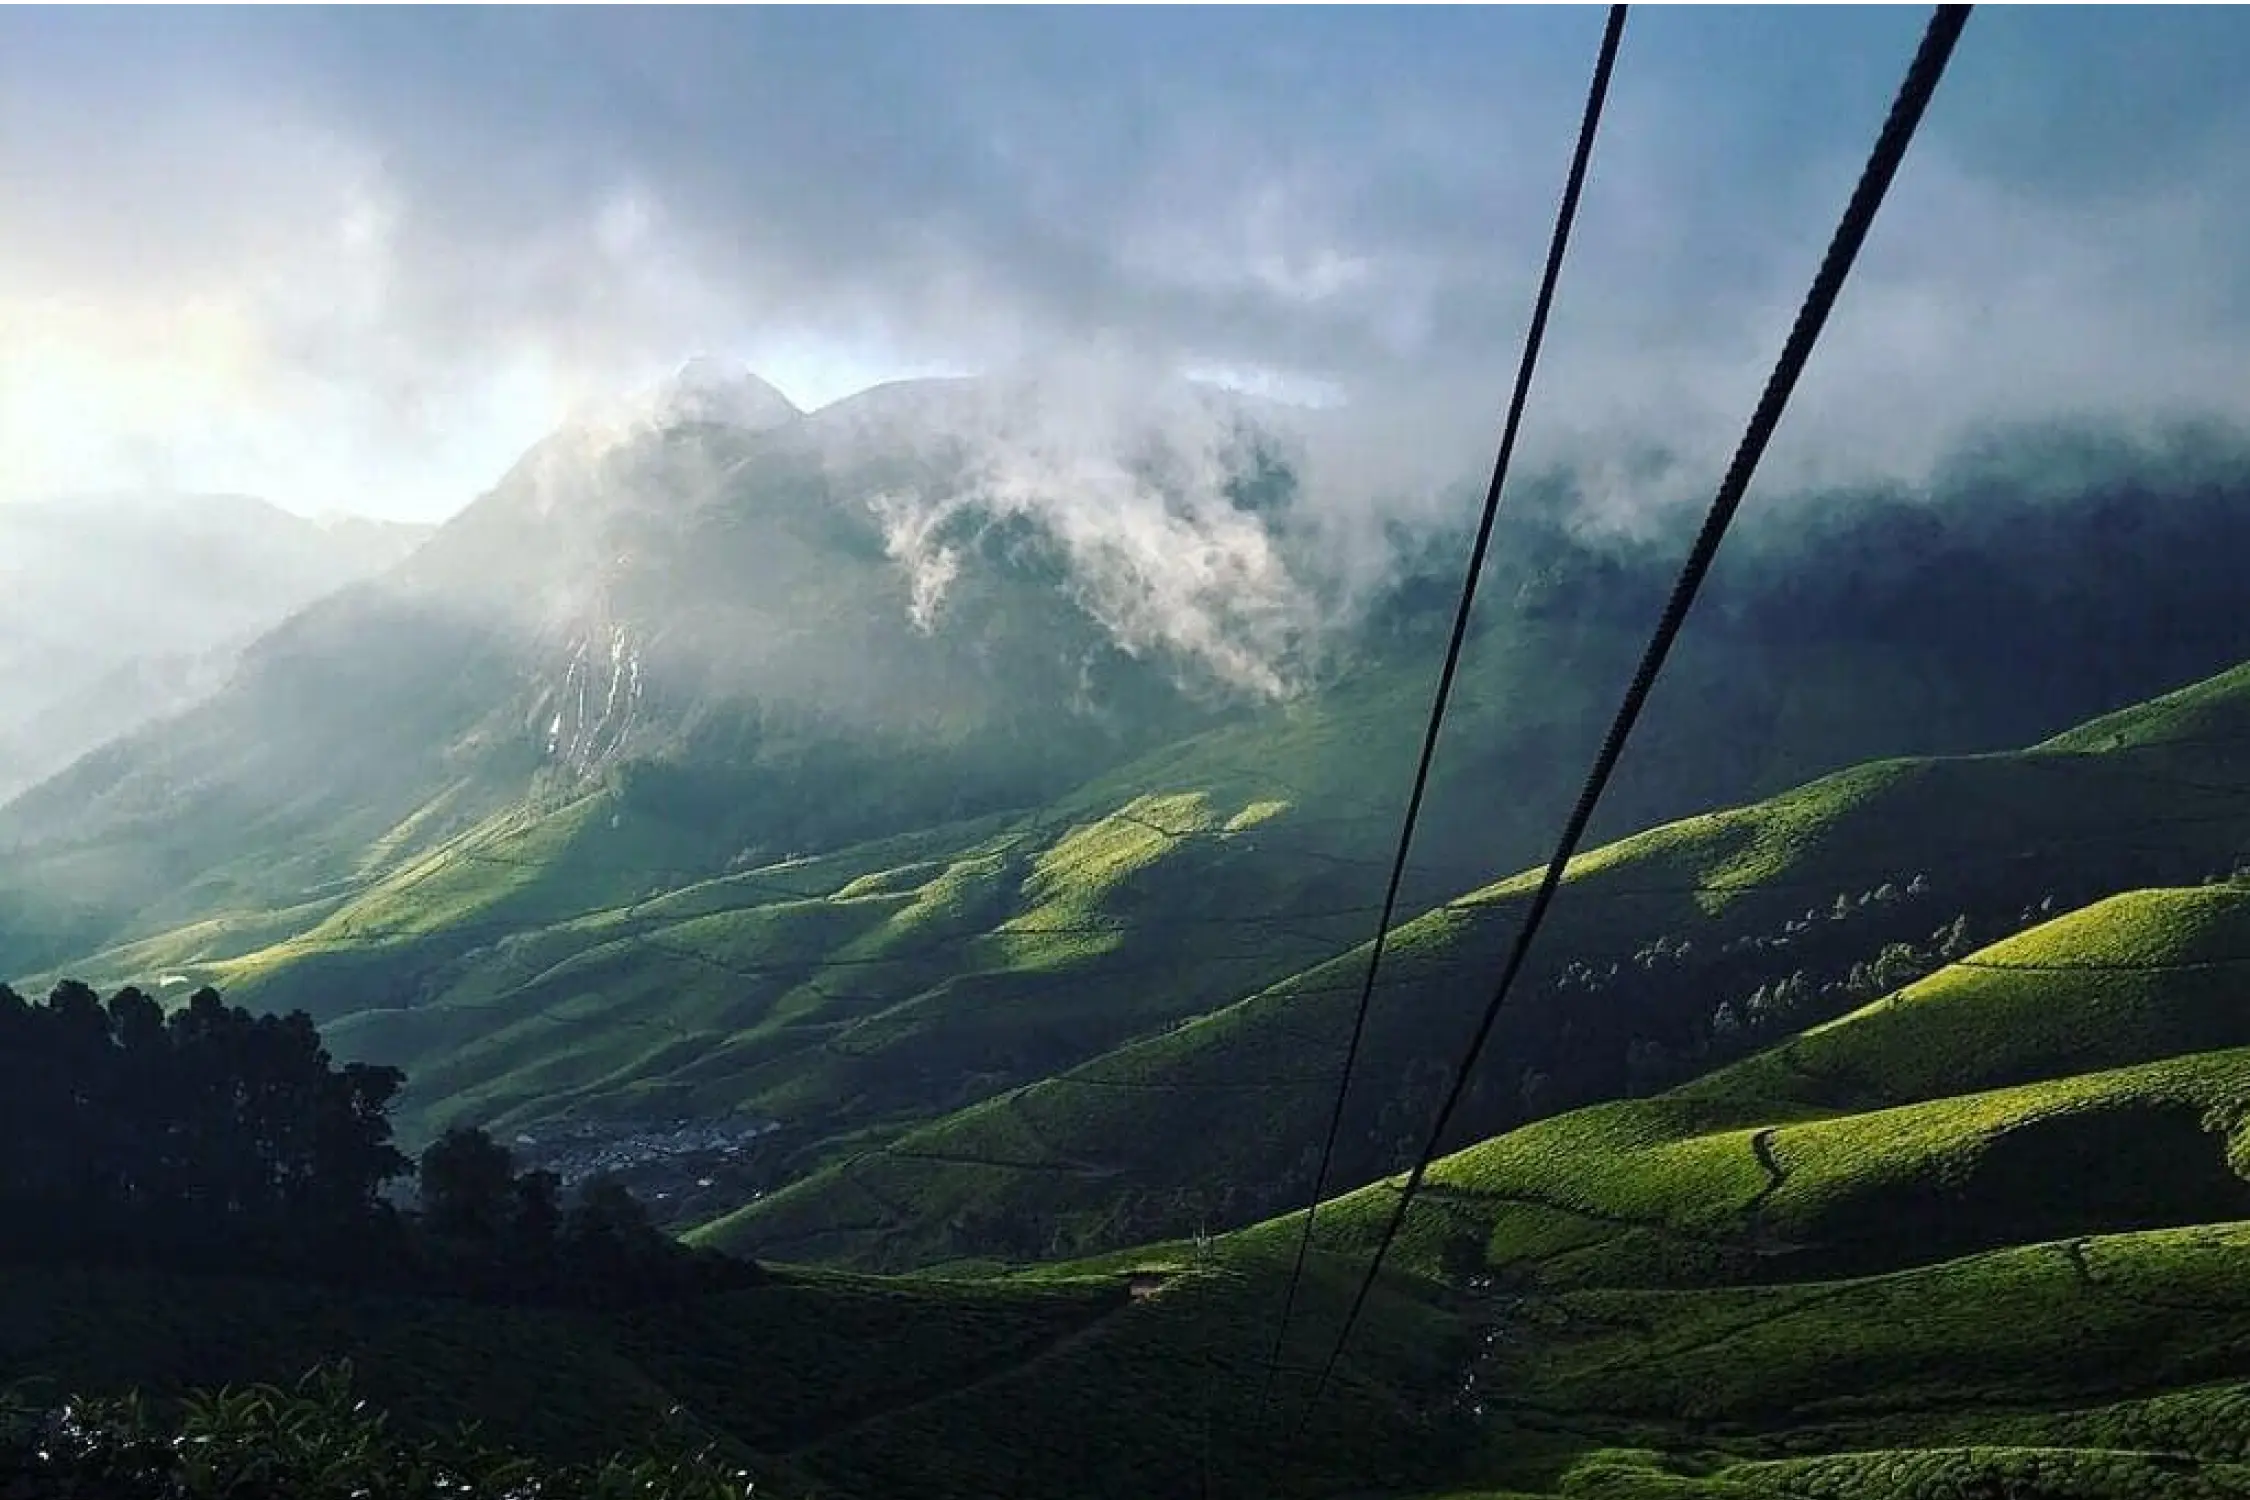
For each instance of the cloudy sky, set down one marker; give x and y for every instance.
(359, 259)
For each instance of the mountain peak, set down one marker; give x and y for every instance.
(707, 388)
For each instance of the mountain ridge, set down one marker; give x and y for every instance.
(596, 856)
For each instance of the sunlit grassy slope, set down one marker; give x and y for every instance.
(1239, 1096)
(898, 976)
(2087, 1076)
(1985, 1236)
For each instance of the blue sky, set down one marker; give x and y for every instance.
(359, 259)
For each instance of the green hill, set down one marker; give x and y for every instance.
(1991, 1225)
(2105, 1050)
(1667, 952)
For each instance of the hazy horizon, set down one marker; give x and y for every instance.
(593, 409)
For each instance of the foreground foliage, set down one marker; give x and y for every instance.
(1045, 1383)
(314, 1442)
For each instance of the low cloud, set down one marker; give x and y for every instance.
(1133, 478)
(366, 257)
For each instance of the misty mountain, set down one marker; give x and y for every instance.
(1112, 694)
(786, 630)
(708, 389)
(777, 632)
(118, 610)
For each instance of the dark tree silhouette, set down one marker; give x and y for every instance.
(213, 1139)
(468, 1187)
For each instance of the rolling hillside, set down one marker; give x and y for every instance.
(1668, 951)
(574, 958)
(1980, 1236)
(1991, 1224)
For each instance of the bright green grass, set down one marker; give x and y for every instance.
(2141, 976)
(797, 990)
(1905, 1474)
(2038, 1325)
(2210, 1422)
(1217, 1099)
(198, 951)
(2211, 715)
(523, 964)
(1666, 1326)
(2074, 1053)
(1660, 1329)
